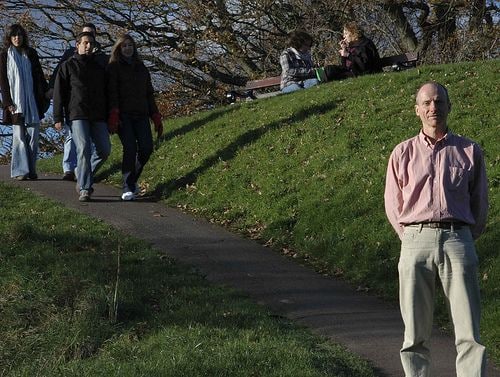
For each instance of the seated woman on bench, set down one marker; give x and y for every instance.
(297, 70)
(358, 55)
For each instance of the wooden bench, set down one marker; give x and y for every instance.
(250, 86)
(264, 83)
(392, 63)
(400, 62)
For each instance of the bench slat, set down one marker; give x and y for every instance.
(264, 83)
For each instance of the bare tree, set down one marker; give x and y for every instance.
(202, 46)
(440, 31)
(197, 49)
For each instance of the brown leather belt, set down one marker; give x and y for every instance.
(441, 225)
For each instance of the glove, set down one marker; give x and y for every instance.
(113, 120)
(156, 118)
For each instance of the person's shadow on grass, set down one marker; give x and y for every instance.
(115, 168)
(230, 151)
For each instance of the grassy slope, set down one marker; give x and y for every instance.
(305, 172)
(57, 318)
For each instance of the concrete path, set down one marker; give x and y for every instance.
(364, 324)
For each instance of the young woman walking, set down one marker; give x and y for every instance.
(23, 88)
(131, 103)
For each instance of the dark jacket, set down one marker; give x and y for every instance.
(363, 57)
(99, 55)
(80, 90)
(130, 89)
(67, 54)
(39, 87)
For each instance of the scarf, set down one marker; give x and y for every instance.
(21, 85)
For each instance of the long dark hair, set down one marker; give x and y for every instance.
(12, 30)
(116, 50)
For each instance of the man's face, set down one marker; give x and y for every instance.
(433, 106)
(85, 45)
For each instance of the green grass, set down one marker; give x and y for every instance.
(305, 172)
(59, 315)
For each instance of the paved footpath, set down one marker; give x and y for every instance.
(364, 324)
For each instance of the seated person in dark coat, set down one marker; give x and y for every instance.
(358, 55)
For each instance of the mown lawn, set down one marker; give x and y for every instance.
(78, 298)
(305, 172)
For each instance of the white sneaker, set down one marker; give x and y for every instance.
(127, 196)
(84, 196)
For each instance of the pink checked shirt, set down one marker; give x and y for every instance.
(441, 182)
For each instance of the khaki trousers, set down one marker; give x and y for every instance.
(451, 255)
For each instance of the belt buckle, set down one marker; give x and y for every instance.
(440, 225)
(432, 225)
(448, 225)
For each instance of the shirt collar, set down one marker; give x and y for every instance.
(426, 140)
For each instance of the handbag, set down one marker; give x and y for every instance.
(8, 118)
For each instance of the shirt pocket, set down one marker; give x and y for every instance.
(457, 179)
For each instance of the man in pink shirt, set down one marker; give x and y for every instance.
(436, 199)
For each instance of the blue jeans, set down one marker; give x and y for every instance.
(305, 85)
(137, 140)
(69, 157)
(24, 149)
(85, 133)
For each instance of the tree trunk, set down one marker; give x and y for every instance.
(406, 32)
(477, 14)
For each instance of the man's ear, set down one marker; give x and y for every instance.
(416, 110)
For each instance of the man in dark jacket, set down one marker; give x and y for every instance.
(69, 156)
(79, 94)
